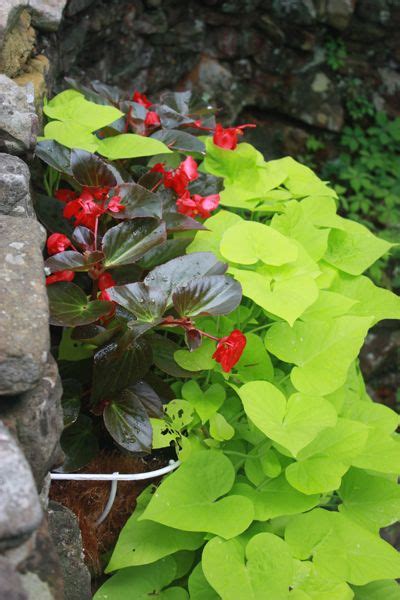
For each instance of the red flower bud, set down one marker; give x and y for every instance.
(57, 242)
(230, 349)
(105, 281)
(152, 119)
(60, 276)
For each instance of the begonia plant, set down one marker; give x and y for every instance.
(288, 468)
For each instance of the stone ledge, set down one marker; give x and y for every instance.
(24, 343)
(15, 198)
(18, 120)
(20, 510)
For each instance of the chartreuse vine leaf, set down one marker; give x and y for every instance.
(143, 582)
(352, 248)
(316, 584)
(370, 500)
(371, 300)
(326, 459)
(143, 542)
(300, 180)
(381, 453)
(292, 422)
(342, 548)
(276, 498)
(127, 242)
(377, 415)
(130, 145)
(69, 305)
(211, 295)
(327, 306)
(378, 590)
(72, 106)
(205, 403)
(257, 242)
(71, 135)
(294, 224)
(199, 588)
(210, 239)
(286, 298)
(255, 362)
(264, 569)
(322, 350)
(190, 499)
(198, 360)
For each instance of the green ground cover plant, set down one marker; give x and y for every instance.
(289, 470)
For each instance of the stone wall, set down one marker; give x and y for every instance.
(36, 543)
(275, 62)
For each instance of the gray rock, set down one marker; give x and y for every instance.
(20, 510)
(47, 14)
(15, 198)
(9, 13)
(37, 420)
(336, 13)
(18, 120)
(64, 530)
(10, 582)
(24, 340)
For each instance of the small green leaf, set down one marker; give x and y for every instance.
(220, 429)
(198, 360)
(205, 403)
(199, 588)
(69, 305)
(71, 135)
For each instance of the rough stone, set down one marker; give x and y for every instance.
(20, 510)
(18, 120)
(41, 571)
(15, 198)
(24, 343)
(9, 14)
(35, 74)
(17, 45)
(64, 530)
(336, 13)
(10, 582)
(47, 14)
(37, 420)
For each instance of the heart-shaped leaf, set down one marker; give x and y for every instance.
(263, 570)
(212, 295)
(69, 305)
(293, 423)
(205, 403)
(194, 491)
(119, 364)
(127, 242)
(138, 201)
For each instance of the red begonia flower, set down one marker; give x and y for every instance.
(230, 349)
(57, 242)
(65, 195)
(84, 209)
(178, 179)
(60, 276)
(115, 204)
(196, 205)
(99, 193)
(227, 138)
(141, 99)
(152, 119)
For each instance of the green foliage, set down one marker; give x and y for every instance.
(288, 467)
(335, 53)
